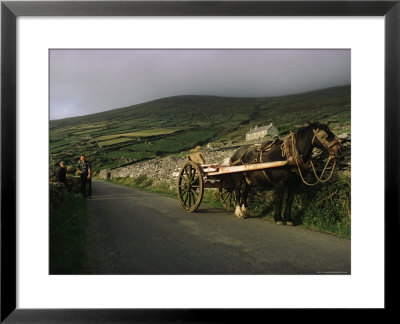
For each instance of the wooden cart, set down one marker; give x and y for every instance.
(194, 176)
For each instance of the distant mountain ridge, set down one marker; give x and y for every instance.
(198, 100)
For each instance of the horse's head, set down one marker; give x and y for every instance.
(324, 139)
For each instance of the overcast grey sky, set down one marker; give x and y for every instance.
(88, 81)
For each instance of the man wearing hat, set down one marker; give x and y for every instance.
(61, 174)
(85, 171)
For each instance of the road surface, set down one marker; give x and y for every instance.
(136, 232)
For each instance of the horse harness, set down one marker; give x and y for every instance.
(289, 150)
(261, 148)
(294, 158)
(322, 136)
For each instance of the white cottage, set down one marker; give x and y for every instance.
(260, 132)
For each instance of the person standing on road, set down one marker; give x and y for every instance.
(85, 170)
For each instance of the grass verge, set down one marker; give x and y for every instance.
(67, 235)
(163, 188)
(324, 207)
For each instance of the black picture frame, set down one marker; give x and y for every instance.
(10, 10)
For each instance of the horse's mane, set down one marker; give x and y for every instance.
(302, 130)
(300, 133)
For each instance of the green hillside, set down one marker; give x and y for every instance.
(177, 124)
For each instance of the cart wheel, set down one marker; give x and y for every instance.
(228, 198)
(190, 186)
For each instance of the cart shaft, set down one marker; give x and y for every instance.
(246, 167)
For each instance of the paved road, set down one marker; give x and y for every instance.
(135, 232)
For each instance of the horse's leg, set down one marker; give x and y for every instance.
(245, 193)
(289, 202)
(278, 205)
(236, 180)
(238, 210)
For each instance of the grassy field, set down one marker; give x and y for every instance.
(142, 133)
(178, 124)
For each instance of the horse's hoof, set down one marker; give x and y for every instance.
(279, 223)
(238, 212)
(289, 223)
(245, 212)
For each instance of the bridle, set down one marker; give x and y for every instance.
(322, 136)
(289, 149)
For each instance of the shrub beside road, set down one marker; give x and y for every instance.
(67, 228)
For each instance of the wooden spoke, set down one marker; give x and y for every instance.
(190, 199)
(228, 198)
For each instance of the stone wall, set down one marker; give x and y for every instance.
(166, 169)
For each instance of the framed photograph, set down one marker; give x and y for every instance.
(90, 89)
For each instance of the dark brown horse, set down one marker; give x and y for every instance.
(296, 149)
